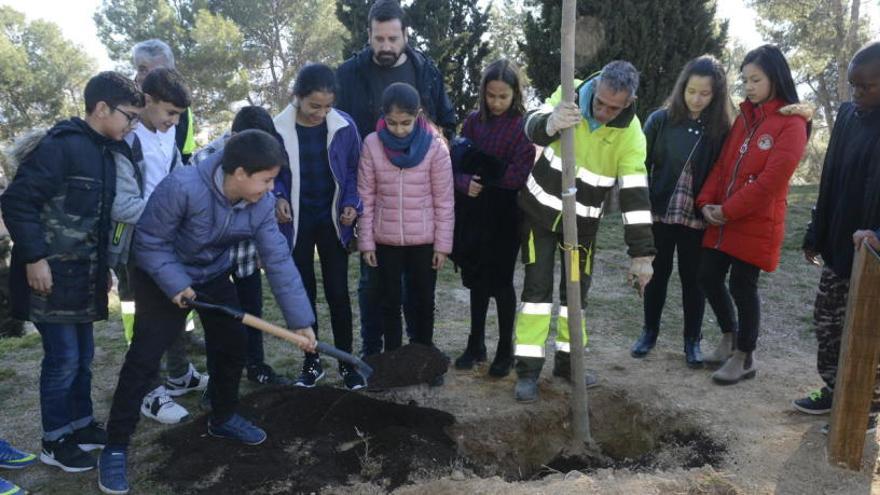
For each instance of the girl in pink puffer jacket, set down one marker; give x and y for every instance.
(405, 185)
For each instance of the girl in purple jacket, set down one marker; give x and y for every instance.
(318, 203)
(486, 190)
(405, 183)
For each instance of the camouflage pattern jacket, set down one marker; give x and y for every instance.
(57, 208)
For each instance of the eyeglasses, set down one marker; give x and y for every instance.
(133, 118)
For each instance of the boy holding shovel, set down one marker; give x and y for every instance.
(182, 251)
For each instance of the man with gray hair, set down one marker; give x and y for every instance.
(609, 151)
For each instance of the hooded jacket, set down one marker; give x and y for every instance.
(186, 232)
(58, 208)
(750, 181)
(343, 151)
(613, 153)
(355, 98)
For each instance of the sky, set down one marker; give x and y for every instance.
(75, 19)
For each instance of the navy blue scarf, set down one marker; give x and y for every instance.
(409, 151)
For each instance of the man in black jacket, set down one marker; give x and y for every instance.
(57, 210)
(849, 200)
(362, 79)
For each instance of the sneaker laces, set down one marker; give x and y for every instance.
(816, 395)
(160, 395)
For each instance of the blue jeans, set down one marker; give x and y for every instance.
(369, 297)
(66, 377)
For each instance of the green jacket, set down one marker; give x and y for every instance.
(612, 154)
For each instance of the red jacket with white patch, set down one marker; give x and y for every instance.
(750, 181)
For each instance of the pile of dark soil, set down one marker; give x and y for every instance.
(412, 364)
(317, 438)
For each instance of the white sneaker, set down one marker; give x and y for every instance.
(158, 405)
(192, 380)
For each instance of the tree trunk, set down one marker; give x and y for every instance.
(580, 417)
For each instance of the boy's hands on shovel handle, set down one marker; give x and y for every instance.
(179, 299)
(310, 342)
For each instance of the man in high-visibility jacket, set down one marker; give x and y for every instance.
(609, 150)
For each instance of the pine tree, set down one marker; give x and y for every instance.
(353, 15)
(657, 36)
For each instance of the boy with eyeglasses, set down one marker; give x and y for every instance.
(57, 210)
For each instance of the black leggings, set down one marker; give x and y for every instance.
(714, 266)
(668, 239)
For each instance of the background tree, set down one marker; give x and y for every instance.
(229, 50)
(507, 20)
(42, 74)
(281, 37)
(657, 36)
(450, 32)
(819, 37)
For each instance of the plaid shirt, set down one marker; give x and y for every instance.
(244, 258)
(505, 138)
(681, 204)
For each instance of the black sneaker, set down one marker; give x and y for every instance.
(92, 437)
(351, 378)
(67, 455)
(818, 402)
(872, 426)
(311, 373)
(264, 374)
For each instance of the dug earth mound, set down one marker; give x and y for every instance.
(333, 440)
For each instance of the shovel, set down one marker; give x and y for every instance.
(250, 320)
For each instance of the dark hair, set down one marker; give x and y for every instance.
(772, 62)
(167, 85)
(314, 77)
(254, 117)
(717, 116)
(113, 89)
(869, 52)
(401, 96)
(253, 150)
(386, 10)
(507, 72)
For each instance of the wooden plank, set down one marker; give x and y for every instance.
(857, 367)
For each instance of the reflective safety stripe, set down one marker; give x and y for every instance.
(534, 351)
(631, 181)
(552, 201)
(637, 217)
(563, 346)
(532, 255)
(127, 307)
(584, 175)
(563, 312)
(536, 308)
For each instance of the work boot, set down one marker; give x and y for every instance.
(646, 342)
(740, 366)
(526, 389)
(562, 369)
(693, 356)
(473, 354)
(724, 350)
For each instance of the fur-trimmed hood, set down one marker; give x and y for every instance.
(805, 110)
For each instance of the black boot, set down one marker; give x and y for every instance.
(474, 353)
(693, 356)
(645, 343)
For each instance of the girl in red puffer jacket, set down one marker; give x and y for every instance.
(405, 184)
(744, 202)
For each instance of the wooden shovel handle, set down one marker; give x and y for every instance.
(282, 333)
